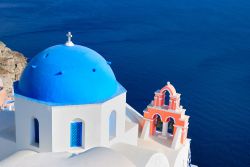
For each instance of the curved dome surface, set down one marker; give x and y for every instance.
(68, 75)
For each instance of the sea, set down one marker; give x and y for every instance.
(201, 46)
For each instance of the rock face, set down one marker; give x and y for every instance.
(12, 64)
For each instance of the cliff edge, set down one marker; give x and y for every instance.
(12, 64)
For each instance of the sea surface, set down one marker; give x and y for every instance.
(201, 46)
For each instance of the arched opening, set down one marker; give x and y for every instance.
(112, 125)
(158, 123)
(167, 97)
(77, 133)
(35, 133)
(171, 123)
(164, 96)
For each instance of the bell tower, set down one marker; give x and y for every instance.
(170, 113)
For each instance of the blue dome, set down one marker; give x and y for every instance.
(68, 75)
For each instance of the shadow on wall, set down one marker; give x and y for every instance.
(112, 125)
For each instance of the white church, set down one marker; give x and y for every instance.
(71, 111)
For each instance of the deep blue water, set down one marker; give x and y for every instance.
(202, 47)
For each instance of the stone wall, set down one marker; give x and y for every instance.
(12, 64)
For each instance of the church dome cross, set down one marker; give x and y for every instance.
(69, 42)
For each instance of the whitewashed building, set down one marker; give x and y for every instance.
(71, 111)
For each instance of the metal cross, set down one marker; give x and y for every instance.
(69, 42)
(69, 35)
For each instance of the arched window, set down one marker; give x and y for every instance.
(76, 133)
(36, 131)
(112, 125)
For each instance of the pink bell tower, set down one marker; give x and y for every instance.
(167, 111)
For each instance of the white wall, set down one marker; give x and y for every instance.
(158, 160)
(62, 116)
(96, 123)
(182, 156)
(26, 111)
(131, 133)
(117, 104)
(55, 121)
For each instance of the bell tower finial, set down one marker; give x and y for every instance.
(69, 42)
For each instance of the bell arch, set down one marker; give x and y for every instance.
(174, 98)
(155, 115)
(158, 121)
(170, 88)
(171, 123)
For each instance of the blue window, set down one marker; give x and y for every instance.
(36, 130)
(76, 134)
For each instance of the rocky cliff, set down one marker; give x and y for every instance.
(12, 64)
